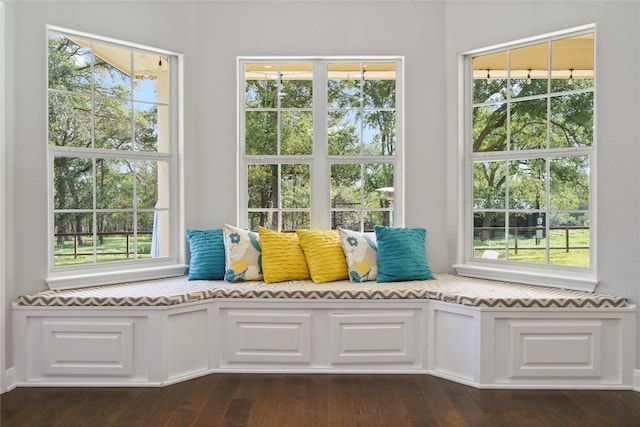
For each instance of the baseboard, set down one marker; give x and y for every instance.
(636, 380)
(9, 380)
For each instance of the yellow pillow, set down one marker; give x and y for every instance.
(282, 257)
(324, 254)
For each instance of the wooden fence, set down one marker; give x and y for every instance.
(77, 242)
(530, 232)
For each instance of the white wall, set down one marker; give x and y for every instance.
(476, 24)
(428, 33)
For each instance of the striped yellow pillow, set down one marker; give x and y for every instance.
(324, 255)
(282, 257)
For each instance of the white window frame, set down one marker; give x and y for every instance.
(63, 277)
(579, 278)
(320, 161)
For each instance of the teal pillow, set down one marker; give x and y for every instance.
(402, 254)
(207, 254)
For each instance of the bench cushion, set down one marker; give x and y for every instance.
(446, 287)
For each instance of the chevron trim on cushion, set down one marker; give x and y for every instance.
(446, 287)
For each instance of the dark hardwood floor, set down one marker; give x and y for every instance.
(317, 400)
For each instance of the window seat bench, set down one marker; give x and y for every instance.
(474, 331)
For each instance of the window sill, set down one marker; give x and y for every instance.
(93, 278)
(576, 280)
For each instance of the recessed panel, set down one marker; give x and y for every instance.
(81, 348)
(269, 338)
(373, 338)
(565, 348)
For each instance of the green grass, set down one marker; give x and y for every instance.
(112, 248)
(532, 251)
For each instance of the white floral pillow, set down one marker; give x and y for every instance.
(243, 257)
(361, 252)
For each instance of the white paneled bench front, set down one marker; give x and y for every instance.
(477, 332)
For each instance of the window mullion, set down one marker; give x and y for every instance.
(320, 167)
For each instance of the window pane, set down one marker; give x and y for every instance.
(344, 133)
(261, 135)
(527, 184)
(572, 63)
(152, 76)
(73, 183)
(490, 77)
(147, 173)
(572, 124)
(262, 185)
(490, 128)
(144, 236)
(161, 237)
(69, 64)
(570, 183)
(144, 89)
(489, 185)
(529, 124)
(115, 236)
(569, 239)
(152, 128)
(379, 134)
(527, 240)
(261, 85)
(297, 133)
(292, 221)
(378, 185)
(113, 124)
(373, 218)
(345, 219)
(530, 70)
(346, 185)
(263, 219)
(114, 184)
(70, 120)
(379, 85)
(110, 80)
(488, 233)
(73, 239)
(296, 192)
(296, 81)
(344, 85)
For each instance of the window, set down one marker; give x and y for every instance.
(111, 145)
(529, 154)
(320, 143)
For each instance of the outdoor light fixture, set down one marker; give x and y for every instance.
(488, 75)
(529, 76)
(570, 76)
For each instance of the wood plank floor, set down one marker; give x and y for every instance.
(317, 400)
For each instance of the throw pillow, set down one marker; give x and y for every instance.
(207, 254)
(282, 257)
(402, 254)
(361, 254)
(324, 255)
(243, 255)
